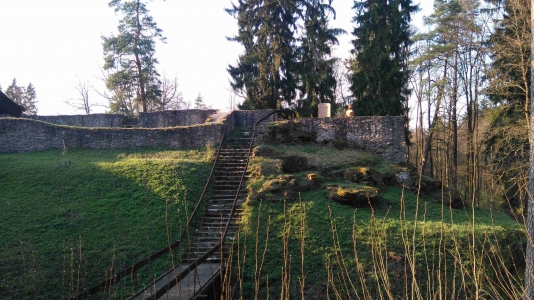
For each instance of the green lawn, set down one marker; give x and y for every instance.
(68, 218)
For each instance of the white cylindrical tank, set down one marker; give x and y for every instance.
(324, 110)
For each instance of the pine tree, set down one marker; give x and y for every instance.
(379, 71)
(29, 100)
(510, 48)
(315, 62)
(510, 87)
(130, 57)
(199, 102)
(265, 72)
(25, 97)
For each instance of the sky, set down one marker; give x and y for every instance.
(54, 44)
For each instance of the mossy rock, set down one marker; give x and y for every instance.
(294, 164)
(277, 190)
(288, 131)
(265, 167)
(266, 151)
(355, 196)
(449, 198)
(339, 144)
(287, 187)
(408, 178)
(430, 185)
(363, 175)
(308, 182)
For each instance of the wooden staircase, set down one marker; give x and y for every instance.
(228, 172)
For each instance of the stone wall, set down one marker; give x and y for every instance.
(92, 120)
(250, 117)
(22, 135)
(174, 118)
(146, 120)
(381, 135)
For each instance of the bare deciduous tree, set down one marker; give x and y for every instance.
(171, 97)
(82, 103)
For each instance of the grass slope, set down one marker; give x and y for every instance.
(405, 247)
(68, 218)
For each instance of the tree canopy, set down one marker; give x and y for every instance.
(23, 96)
(130, 59)
(379, 70)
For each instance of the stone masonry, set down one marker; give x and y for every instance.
(22, 135)
(381, 135)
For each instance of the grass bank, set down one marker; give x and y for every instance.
(304, 245)
(69, 220)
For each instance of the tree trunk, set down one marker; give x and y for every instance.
(428, 143)
(529, 259)
(454, 120)
(138, 64)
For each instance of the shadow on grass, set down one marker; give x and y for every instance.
(70, 219)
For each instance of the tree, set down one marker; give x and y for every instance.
(81, 103)
(25, 97)
(130, 59)
(509, 88)
(199, 102)
(379, 76)
(265, 71)
(315, 67)
(529, 270)
(171, 98)
(510, 51)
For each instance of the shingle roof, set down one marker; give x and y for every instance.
(8, 107)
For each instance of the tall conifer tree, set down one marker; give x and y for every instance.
(379, 71)
(265, 72)
(315, 66)
(25, 97)
(130, 56)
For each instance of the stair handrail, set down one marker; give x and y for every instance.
(164, 289)
(244, 172)
(148, 259)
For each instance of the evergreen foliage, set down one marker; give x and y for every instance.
(130, 57)
(281, 64)
(316, 64)
(510, 47)
(509, 87)
(23, 96)
(199, 102)
(379, 70)
(265, 72)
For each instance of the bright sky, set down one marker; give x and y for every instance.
(53, 43)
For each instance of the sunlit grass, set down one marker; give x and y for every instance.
(114, 206)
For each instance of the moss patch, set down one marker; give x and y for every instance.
(353, 195)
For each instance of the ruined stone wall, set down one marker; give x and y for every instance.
(161, 119)
(381, 135)
(92, 120)
(174, 118)
(22, 135)
(250, 117)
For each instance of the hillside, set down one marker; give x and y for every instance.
(308, 230)
(68, 218)
(308, 234)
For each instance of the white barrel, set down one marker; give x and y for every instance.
(324, 110)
